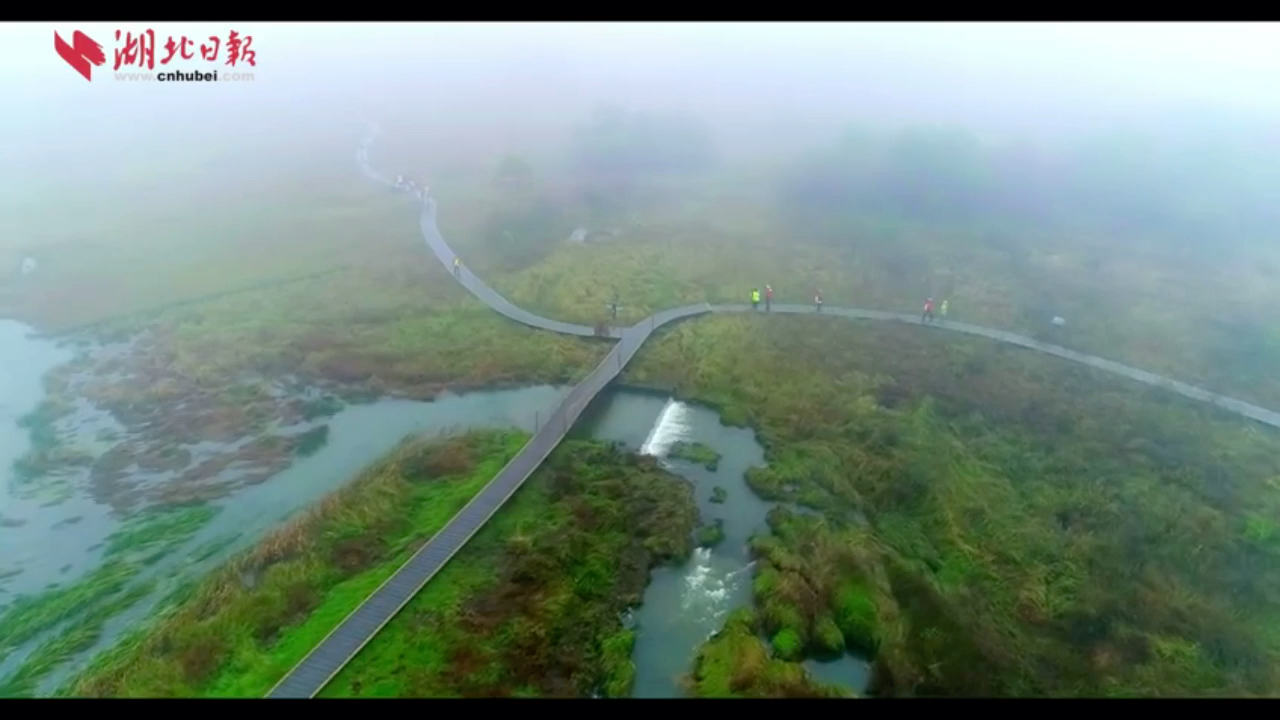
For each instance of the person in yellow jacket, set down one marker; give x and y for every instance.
(755, 299)
(942, 311)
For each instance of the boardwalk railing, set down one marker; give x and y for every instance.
(328, 658)
(358, 628)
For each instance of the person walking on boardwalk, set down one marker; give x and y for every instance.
(942, 311)
(457, 267)
(755, 299)
(927, 315)
(768, 298)
(817, 301)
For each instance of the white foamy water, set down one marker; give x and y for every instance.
(687, 603)
(672, 425)
(711, 582)
(710, 586)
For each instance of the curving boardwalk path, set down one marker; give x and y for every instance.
(315, 671)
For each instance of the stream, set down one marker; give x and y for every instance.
(48, 543)
(685, 605)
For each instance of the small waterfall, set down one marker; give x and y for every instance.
(702, 590)
(707, 589)
(670, 427)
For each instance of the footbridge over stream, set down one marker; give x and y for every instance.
(324, 661)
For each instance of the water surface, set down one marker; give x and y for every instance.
(683, 606)
(687, 604)
(43, 542)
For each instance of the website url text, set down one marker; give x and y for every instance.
(184, 76)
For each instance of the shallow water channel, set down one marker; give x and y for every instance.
(43, 542)
(685, 605)
(46, 543)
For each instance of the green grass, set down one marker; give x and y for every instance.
(104, 592)
(810, 587)
(1031, 528)
(735, 663)
(1197, 320)
(403, 327)
(340, 292)
(213, 547)
(855, 617)
(711, 534)
(207, 319)
(144, 531)
(532, 605)
(304, 210)
(696, 453)
(79, 636)
(244, 626)
(788, 644)
(31, 615)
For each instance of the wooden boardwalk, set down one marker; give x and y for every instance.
(315, 671)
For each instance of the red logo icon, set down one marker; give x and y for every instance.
(82, 54)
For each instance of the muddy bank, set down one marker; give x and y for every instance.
(120, 420)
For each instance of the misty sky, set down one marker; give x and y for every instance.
(1233, 61)
(739, 76)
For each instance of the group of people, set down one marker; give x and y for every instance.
(768, 299)
(926, 316)
(411, 186)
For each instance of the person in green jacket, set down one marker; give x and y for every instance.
(755, 299)
(942, 311)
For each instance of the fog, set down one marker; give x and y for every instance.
(1113, 189)
(762, 90)
(1006, 76)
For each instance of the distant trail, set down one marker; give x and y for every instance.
(315, 671)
